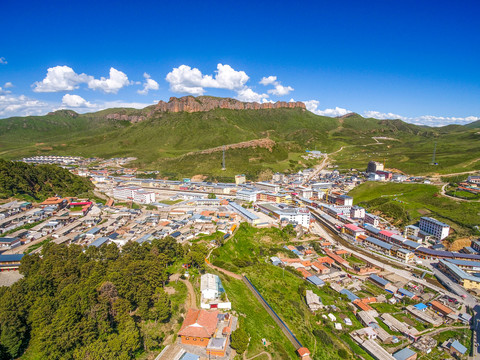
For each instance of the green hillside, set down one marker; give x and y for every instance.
(170, 142)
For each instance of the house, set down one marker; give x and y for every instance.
(10, 262)
(313, 301)
(405, 354)
(210, 286)
(9, 243)
(304, 353)
(198, 327)
(316, 280)
(457, 349)
(381, 282)
(440, 308)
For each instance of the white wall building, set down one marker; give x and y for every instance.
(434, 227)
(268, 186)
(135, 194)
(247, 195)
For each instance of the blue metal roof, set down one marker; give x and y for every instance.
(406, 293)
(459, 347)
(411, 244)
(100, 241)
(351, 296)
(378, 242)
(371, 228)
(460, 262)
(11, 257)
(379, 280)
(403, 354)
(420, 306)
(316, 280)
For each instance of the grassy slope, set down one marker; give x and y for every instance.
(159, 142)
(418, 200)
(254, 246)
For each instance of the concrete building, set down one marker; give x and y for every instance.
(453, 271)
(267, 186)
(434, 227)
(240, 179)
(374, 166)
(282, 212)
(247, 195)
(372, 219)
(357, 212)
(135, 194)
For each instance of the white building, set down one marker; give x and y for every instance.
(357, 212)
(247, 195)
(268, 187)
(372, 219)
(240, 179)
(283, 212)
(210, 286)
(434, 227)
(134, 193)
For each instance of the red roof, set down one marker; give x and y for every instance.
(386, 233)
(353, 227)
(361, 305)
(319, 266)
(199, 323)
(304, 272)
(303, 351)
(326, 259)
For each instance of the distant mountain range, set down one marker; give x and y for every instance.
(182, 138)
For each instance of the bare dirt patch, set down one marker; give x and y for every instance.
(169, 290)
(459, 244)
(8, 278)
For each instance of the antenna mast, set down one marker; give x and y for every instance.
(434, 153)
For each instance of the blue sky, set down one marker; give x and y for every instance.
(417, 60)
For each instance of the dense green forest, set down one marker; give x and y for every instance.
(40, 181)
(93, 303)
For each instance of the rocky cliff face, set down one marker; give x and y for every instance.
(132, 118)
(207, 103)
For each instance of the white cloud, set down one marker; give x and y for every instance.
(61, 78)
(4, 91)
(382, 115)
(312, 105)
(430, 120)
(148, 85)
(3, 61)
(278, 89)
(12, 105)
(187, 80)
(75, 101)
(8, 85)
(115, 82)
(64, 78)
(248, 95)
(268, 80)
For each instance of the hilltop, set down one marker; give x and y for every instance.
(182, 137)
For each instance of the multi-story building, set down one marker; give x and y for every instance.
(374, 166)
(434, 227)
(372, 219)
(282, 212)
(247, 195)
(240, 179)
(357, 212)
(133, 193)
(267, 186)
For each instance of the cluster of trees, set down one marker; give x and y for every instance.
(39, 181)
(77, 303)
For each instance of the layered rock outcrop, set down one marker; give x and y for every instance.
(207, 103)
(132, 118)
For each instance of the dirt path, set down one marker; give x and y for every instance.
(443, 193)
(226, 272)
(192, 297)
(254, 356)
(437, 331)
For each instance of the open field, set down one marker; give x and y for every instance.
(408, 202)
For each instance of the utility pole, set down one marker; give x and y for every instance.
(434, 153)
